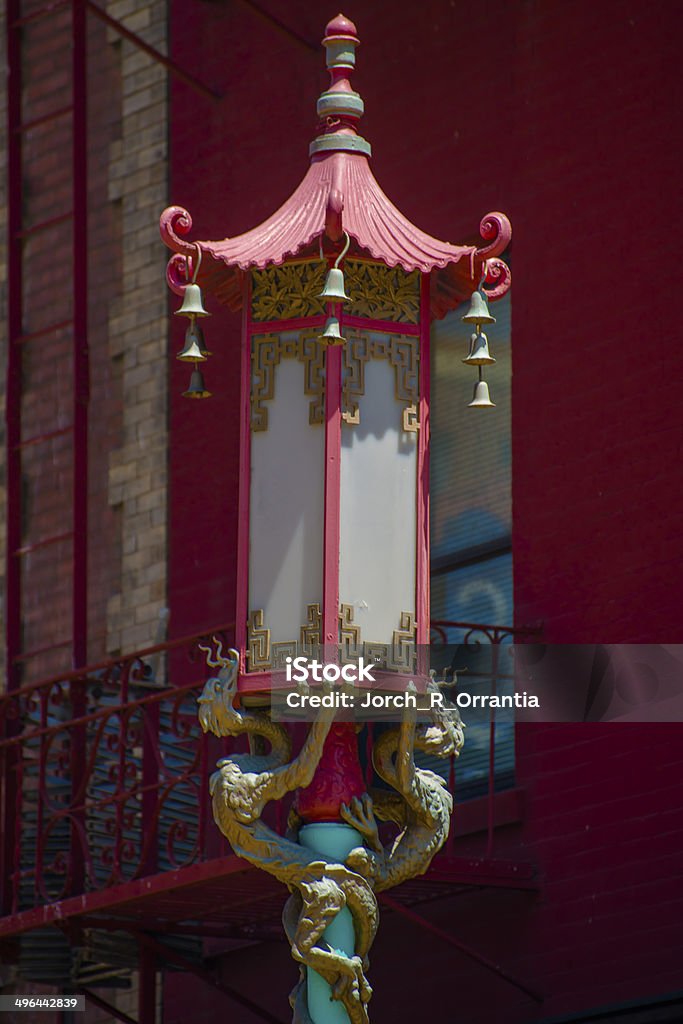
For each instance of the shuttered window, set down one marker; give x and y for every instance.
(471, 508)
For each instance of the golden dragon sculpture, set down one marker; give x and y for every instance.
(244, 783)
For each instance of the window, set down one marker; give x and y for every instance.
(470, 482)
(471, 507)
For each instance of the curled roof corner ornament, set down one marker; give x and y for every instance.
(177, 273)
(498, 274)
(174, 222)
(494, 228)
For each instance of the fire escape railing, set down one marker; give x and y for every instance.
(107, 768)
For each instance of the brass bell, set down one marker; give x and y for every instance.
(478, 313)
(192, 302)
(334, 287)
(195, 349)
(479, 354)
(481, 398)
(197, 388)
(332, 334)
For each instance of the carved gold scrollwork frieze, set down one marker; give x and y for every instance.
(404, 651)
(266, 354)
(382, 293)
(400, 655)
(263, 655)
(312, 631)
(411, 420)
(312, 354)
(258, 642)
(283, 650)
(349, 633)
(403, 355)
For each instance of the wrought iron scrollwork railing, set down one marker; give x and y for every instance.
(103, 771)
(481, 657)
(103, 775)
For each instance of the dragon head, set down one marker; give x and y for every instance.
(443, 735)
(217, 713)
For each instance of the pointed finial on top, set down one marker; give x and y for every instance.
(340, 28)
(339, 107)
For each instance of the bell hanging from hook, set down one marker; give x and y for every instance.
(481, 398)
(192, 302)
(192, 296)
(478, 313)
(334, 289)
(332, 334)
(479, 354)
(195, 349)
(197, 388)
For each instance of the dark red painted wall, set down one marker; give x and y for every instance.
(560, 115)
(232, 163)
(597, 435)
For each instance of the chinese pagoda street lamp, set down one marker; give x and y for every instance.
(338, 290)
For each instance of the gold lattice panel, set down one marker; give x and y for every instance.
(377, 292)
(287, 292)
(382, 293)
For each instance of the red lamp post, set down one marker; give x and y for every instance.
(337, 291)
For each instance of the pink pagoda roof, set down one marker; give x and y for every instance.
(338, 194)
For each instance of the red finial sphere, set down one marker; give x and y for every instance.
(340, 27)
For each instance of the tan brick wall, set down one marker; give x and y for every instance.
(138, 330)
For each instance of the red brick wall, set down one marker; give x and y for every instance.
(561, 115)
(127, 185)
(47, 385)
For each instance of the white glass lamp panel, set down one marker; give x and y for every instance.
(286, 508)
(378, 509)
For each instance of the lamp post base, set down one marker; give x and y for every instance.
(333, 841)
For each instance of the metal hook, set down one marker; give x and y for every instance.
(344, 251)
(197, 265)
(341, 255)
